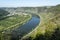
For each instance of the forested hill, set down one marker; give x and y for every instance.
(3, 13)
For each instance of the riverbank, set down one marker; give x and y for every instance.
(20, 23)
(30, 33)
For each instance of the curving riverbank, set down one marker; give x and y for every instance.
(29, 34)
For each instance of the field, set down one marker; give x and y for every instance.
(12, 20)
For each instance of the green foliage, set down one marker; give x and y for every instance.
(3, 13)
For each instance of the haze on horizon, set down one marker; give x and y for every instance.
(28, 3)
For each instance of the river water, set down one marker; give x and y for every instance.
(26, 28)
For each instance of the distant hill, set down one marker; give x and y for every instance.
(55, 9)
(3, 13)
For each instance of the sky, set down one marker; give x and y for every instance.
(28, 3)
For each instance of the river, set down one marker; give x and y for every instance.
(26, 28)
